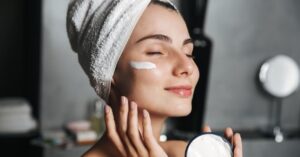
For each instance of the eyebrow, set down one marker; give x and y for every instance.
(164, 38)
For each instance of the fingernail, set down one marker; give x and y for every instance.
(106, 108)
(132, 106)
(145, 113)
(123, 99)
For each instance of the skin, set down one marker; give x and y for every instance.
(139, 100)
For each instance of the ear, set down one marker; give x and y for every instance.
(113, 88)
(115, 78)
(113, 81)
(114, 92)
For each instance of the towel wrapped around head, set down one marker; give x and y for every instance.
(98, 31)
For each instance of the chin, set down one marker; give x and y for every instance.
(184, 114)
(179, 115)
(181, 112)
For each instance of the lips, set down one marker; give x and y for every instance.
(181, 91)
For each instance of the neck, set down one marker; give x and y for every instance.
(157, 124)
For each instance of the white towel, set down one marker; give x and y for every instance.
(15, 116)
(98, 31)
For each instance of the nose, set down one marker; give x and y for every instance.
(183, 66)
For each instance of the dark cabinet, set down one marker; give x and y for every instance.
(19, 65)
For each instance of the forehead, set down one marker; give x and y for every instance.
(160, 20)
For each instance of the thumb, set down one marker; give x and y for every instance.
(206, 128)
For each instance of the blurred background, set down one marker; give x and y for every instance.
(45, 96)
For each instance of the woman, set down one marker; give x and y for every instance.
(138, 56)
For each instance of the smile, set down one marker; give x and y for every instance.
(181, 91)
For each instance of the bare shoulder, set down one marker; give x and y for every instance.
(175, 148)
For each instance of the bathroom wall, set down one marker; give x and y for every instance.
(244, 34)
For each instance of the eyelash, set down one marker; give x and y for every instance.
(154, 53)
(159, 53)
(190, 56)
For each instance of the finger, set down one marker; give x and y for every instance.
(111, 130)
(238, 147)
(133, 130)
(206, 128)
(123, 115)
(154, 149)
(123, 122)
(149, 138)
(228, 133)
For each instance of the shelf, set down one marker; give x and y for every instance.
(31, 134)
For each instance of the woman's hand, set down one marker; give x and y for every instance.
(234, 138)
(126, 135)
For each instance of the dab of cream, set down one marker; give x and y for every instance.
(142, 65)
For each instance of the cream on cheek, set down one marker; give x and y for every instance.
(142, 65)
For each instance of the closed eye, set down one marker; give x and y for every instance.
(190, 56)
(154, 53)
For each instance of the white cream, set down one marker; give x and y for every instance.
(143, 65)
(209, 145)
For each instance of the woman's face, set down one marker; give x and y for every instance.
(156, 69)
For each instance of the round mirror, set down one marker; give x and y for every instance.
(209, 145)
(279, 76)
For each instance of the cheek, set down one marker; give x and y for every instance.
(148, 77)
(197, 73)
(145, 83)
(138, 78)
(147, 88)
